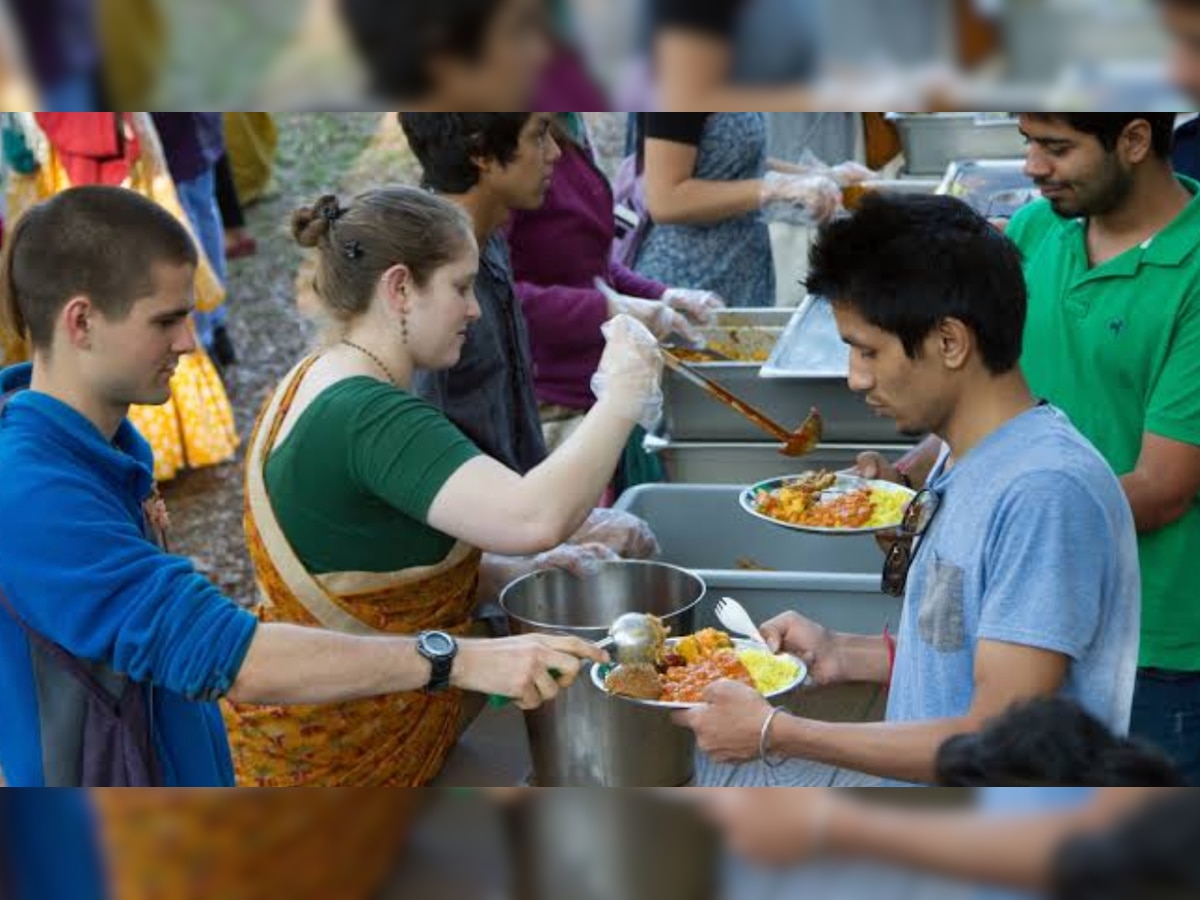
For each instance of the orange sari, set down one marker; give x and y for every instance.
(401, 740)
(173, 844)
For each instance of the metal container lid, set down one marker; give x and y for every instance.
(811, 346)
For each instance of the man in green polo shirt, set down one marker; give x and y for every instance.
(1112, 338)
(1112, 261)
(1181, 19)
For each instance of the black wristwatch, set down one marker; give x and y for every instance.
(440, 649)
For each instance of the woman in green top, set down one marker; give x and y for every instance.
(367, 509)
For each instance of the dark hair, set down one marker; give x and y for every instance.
(447, 145)
(1050, 742)
(94, 241)
(1108, 127)
(380, 229)
(397, 39)
(908, 262)
(1151, 855)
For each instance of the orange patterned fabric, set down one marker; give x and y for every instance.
(170, 844)
(400, 740)
(195, 428)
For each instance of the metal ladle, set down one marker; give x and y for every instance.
(635, 638)
(795, 443)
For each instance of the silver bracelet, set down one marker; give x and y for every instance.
(764, 738)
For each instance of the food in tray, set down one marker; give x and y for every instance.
(750, 345)
(687, 666)
(810, 501)
(735, 350)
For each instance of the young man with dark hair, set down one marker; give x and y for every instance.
(1019, 568)
(1113, 266)
(451, 54)
(100, 280)
(492, 164)
(1115, 843)
(1112, 262)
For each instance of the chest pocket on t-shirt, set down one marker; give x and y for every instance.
(941, 621)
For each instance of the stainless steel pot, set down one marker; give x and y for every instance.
(586, 738)
(603, 845)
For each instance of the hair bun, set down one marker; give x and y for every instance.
(310, 224)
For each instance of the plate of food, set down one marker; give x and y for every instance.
(685, 667)
(828, 503)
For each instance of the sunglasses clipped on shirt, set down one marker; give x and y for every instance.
(918, 517)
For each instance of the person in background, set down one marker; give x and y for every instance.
(62, 51)
(16, 88)
(51, 152)
(566, 83)
(707, 185)
(493, 164)
(558, 251)
(1186, 158)
(1018, 563)
(1126, 843)
(453, 55)
(796, 55)
(1117, 225)
(251, 142)
(194, 143)
(238, 243)
(135, 45)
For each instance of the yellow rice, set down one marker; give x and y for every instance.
(889, 507)
(770, 673)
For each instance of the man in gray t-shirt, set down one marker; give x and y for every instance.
(1018, 565)
(1033, 546)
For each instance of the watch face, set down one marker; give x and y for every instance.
(438, 644)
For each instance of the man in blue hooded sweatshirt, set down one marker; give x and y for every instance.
(48, 847)
(100, 282)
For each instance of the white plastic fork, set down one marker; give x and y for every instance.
(733, 616)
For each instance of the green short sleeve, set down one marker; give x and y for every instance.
(402, 449)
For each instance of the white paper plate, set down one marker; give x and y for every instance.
(749, 502)
(598, 674)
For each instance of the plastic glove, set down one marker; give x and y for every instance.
(581, 560)
(659, 317)
(848, 174)
(800, 199)
(626, 534)
(630, 373)
(699, 306)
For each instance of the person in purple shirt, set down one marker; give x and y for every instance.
(451, 55)
(194, 143)
(62, 51)
(558, 253)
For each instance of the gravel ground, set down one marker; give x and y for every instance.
(318, 153)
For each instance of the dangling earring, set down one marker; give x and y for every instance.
(404, 329)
